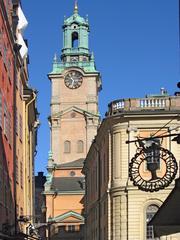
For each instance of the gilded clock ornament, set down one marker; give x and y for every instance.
(73, 79)
(153, 167)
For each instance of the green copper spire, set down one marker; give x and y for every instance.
(75, 51)
(76, 35)
(76, 7)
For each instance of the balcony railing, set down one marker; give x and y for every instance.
(144, 104)
(152, 103)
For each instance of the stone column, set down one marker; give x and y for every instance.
(116, 162)
(123, 214)
(116, 221)
(119, 217)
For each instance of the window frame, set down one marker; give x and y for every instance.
(80, 146)
(67, 146)
(143, 218)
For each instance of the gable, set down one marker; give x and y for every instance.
(72, 115)
(70, 216)
(71, 220)
(75, 110)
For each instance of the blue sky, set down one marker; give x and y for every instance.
(135, 44)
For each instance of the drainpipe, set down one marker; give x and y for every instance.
(14, 131)
(14, 141)
(26, 144)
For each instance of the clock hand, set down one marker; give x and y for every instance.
(72, 81)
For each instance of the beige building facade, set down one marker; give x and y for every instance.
(114, 208)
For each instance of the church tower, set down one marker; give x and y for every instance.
(73, 123)
(75, 86)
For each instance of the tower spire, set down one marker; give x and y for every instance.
(76, 7)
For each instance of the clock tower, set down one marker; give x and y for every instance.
(73, 122)
(75, 86)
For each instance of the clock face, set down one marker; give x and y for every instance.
(73, 79)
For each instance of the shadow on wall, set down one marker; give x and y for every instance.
(69, 232)
(7, 206)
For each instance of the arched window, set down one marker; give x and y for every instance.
(67, 147)
(80, 146)
(150, 212)
(75, 40)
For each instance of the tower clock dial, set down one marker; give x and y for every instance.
(73, 79)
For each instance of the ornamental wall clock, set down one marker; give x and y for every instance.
(153, 167)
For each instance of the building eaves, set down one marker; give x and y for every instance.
(74, 164)
(67, 184)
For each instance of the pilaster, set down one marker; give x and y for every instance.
(119, 156)
(119, 217)
(91, 130)
(55, 128)
(55, 104)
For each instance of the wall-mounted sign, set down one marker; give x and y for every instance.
(153, 167)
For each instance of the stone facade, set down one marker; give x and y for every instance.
(114, 208)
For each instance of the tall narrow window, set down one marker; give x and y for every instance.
(5, 196)
(0, 109)
(67, 147)
(21, 174)
(5, 120)
(80, 146)
(20, 88)
(1, 40)
(20, 127)
(150, 212)
(17, 170)
(5, 55)
(16, 121)
(75, 40)
(10, 128)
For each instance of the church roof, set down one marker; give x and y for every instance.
(167, 220)
(74, 164)
(68, 184)
(75, 18)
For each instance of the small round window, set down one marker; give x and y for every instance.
(72, 173)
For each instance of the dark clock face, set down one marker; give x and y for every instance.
(73, 79)
(152, 170)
